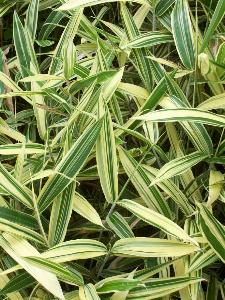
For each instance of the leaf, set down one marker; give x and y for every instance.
(151, 195)
(32, 18)
(216, 181)
(182, 115)
(17, 248)
(155, 219)
(182, 33)
(15, 188)
(60, 271)
(150, 39)
(60, 215)
(119, 225)
(212, 230)
(178, 166)
(151, 247)
(107, 159)
(215, 21)
(72, 4)
(88, 292)
(18, 148)
(19, 223)
(85, 209)
(202, 259)
(215, 102)
(110, 285)
(74, 250)
(157, 287)
(69, 166)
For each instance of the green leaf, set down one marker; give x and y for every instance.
(151, 247)
(213, 231)
(69, 166)
(183, 115)
(75, 249)
(178, 166)
(18, 248)
(182, 33)
(119, 225)
(60, 271)
(15, 188)
(88, 292)
(215, 21)
(110, 285)
(150, 39)
(155, 219)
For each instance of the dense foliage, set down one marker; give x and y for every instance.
(112, 149)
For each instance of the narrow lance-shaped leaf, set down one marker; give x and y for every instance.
(75, 249)
(88, 292)
(60, 215)
(137, 175)
(156, 219)
(215, 21)
(32, 18)
(183, 114)
(151, 247)
(107, 159)
(17, 248)
(69, 166)
(213, 230)
(178, 166)
(119, 225)
(15, 188)
(72, 4)
(182, 32)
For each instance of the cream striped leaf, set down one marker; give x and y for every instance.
(178, 166)
(63, 273)
(202, 259)
(18, 148)
(69, 166)
(119, 225)
(155, 219)
(88, 292)
(72, 4)
(107, 158)
(183, 115)
(151, 247)
(15, 188)
(85, 209)
(19, 248)
(157, 287)
(182, 33)
(75, 249)
(149, 39)
(213, 231)
(151, 195)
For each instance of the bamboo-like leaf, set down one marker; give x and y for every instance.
(201, 260)
(60, 215)
(85, 209)
(213, 231)
(18, 248)
(216, 18)
(72, 4)
(69, 59)
(155, 219)
(178, 166)
(151, 195)
(110, 285)
(162, 6)
(60, 271)
(15, 188)
(69, 166)
(29, 148)
(151, 247)
(19, 223)
(119, 225)
(107, 159)
(182, 115)
(215, 102)
(32, 18)
(158, 287)
(67, 36)
(75, 249)
(182, 33)
(150, 39)
(88, 292)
